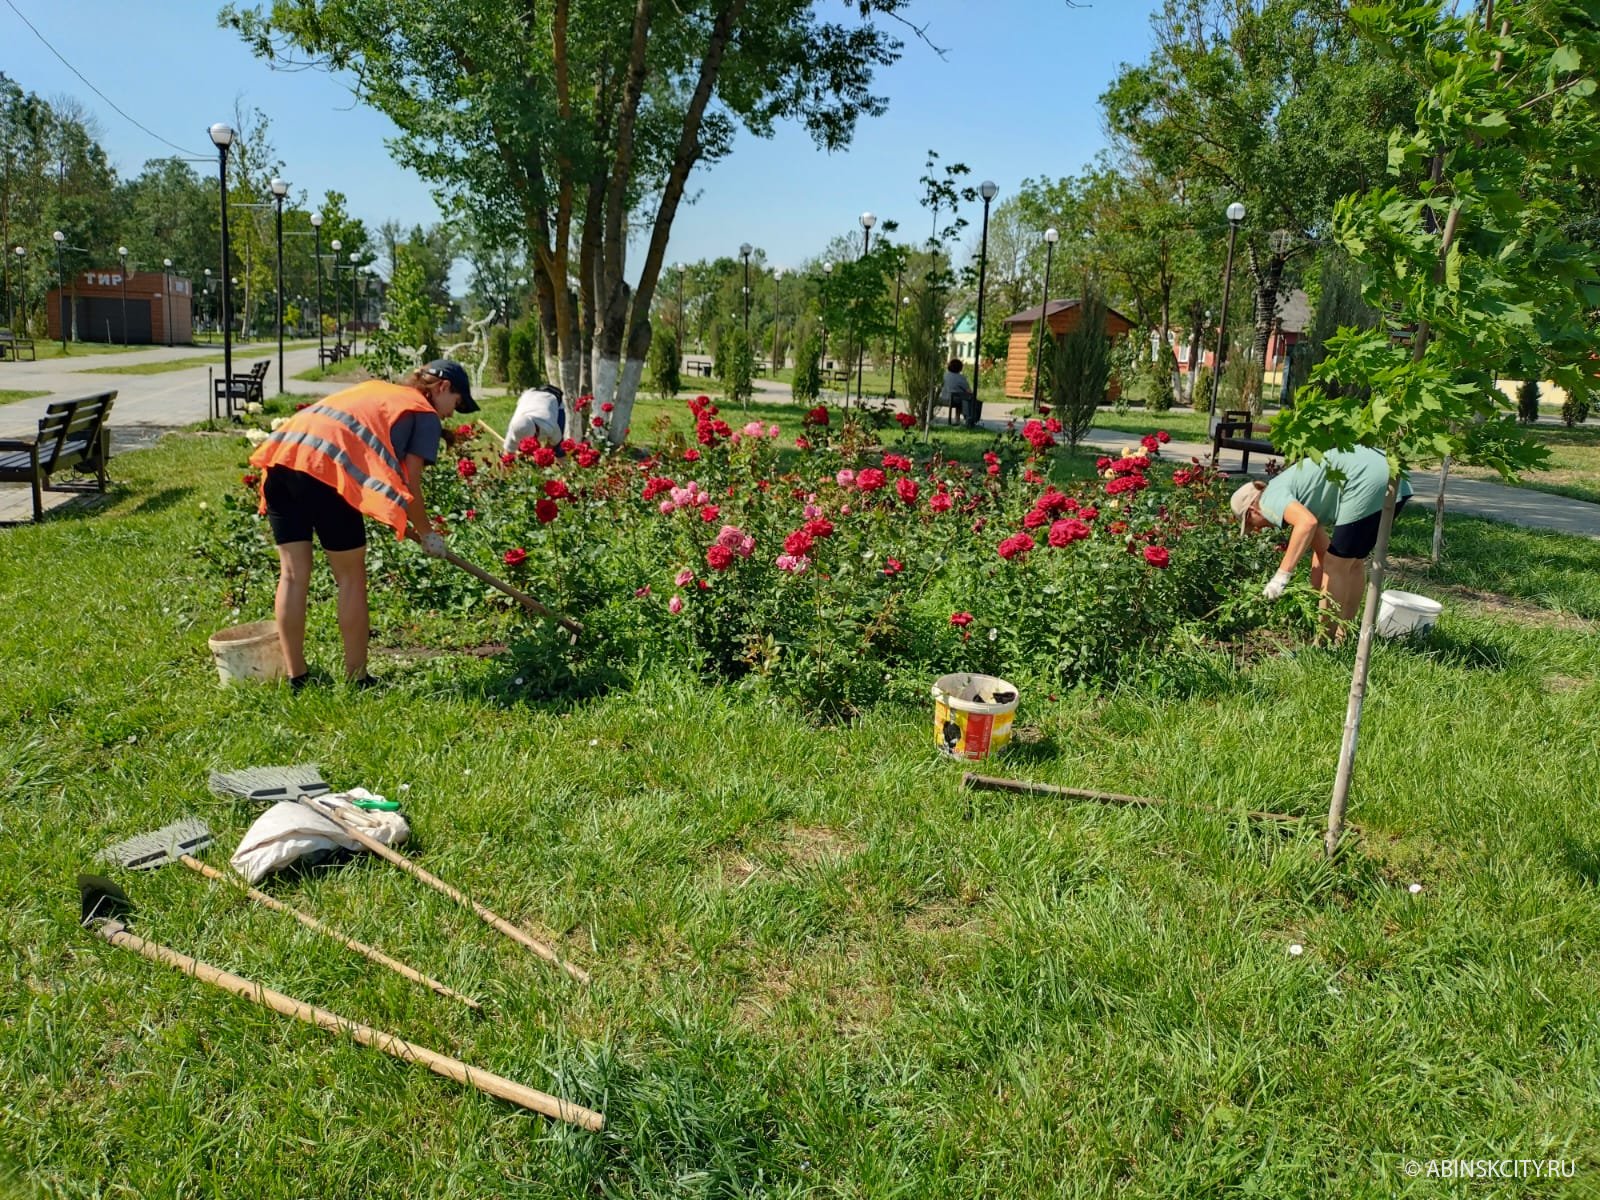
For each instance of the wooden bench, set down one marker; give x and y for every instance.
(73, 435)
(230, 394)
(329, 355)
(1235, 431)
(12, 346)
(959, 401)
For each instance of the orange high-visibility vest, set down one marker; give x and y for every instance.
(347, 442)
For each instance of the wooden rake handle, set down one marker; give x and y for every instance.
(310, 922)
(517, 594)
(440, 1064)
(994, 783)
(489, 917)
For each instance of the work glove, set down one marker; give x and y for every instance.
(1275, 585)
(433, 544)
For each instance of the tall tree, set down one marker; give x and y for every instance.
(1275, 103)
(555, 121)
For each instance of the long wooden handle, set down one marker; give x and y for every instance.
(439, 1064)
(310, 922)
(517, 594)
(489, 917)
(491, 431)
(995, 783)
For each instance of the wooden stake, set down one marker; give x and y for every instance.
(485, 1081)
(995, 783)
(490, 918)
(310, 922)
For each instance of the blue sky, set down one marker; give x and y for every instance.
(1014, 97)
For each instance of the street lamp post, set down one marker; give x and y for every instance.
(1235, 216)
(21, 253)
(777, 277)
(988, 189)
(355, 333)
(867, 222)
(827, 276)
(744, 253)
(222, 138)
(894, 336)
(280, 189)
(316, 231)
(61, 284)
(122, 266)
(338, 311)
(1051, 237)
(166, 294)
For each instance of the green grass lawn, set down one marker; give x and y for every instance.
(1574, 469)
(821, 968)
(8, 395)
(161, 367)
(52, 349)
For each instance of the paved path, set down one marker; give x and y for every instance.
(149, 405)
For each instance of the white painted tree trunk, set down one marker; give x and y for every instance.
(606, 370)
(552, 369)
(571, 376)
(627, 393)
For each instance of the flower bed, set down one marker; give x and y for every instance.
(826, 569)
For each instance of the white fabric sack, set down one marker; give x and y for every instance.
(289, 831)
(538, 415)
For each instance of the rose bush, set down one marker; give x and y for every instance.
(830, 572)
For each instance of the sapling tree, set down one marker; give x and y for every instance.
(1470, 258)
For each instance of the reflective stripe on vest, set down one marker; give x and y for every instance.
(372, 441)
(299, 438)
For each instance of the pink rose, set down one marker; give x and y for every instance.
(675, 605)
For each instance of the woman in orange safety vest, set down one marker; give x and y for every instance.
(358, 453)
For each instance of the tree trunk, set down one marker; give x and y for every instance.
(1358, 679)
(1197, 317)
(1266, 314)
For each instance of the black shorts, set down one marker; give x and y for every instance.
(1356, 539)
(298, 505)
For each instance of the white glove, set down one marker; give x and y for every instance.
(1275, 585)
(433, 544)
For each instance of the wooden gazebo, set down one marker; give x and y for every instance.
(1060, 316)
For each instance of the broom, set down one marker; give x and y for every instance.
(302, 783)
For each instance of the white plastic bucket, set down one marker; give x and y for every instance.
(248, 652)
(1406, 614)
(972, 714)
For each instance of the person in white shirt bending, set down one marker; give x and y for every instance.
(540, 413)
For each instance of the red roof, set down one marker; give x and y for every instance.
(1029, 315)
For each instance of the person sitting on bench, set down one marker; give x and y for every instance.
(955, 390)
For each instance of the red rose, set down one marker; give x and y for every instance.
(1017, 543)
(516, 557)
(582, 402)
(893, 566)
(506, 460)
(961, 619)
(797, 543)
(1067, 531)
(906, 420)
(568, 445)
(546, 511)
(1157, 556)
(940, 502)
(250, 480)
(472, 514)
(870, 479)
(597, 422)
(994, 468)
(556, 489)
(1053, 425)
(801, 443)
(1035, 518)
(543, 456)
(466, 468)
(1088, 512)
(607, 407)
(710, 513)
(691, 455)
(1163, 436)
(819, 527)
(463, 432)
(907, 490)
(897, 462)
(817, 417)
(719, 558)
(587, 457)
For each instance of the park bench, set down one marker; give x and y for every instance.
(12, 345)
(1235, 431)
(73, 435)
(329, 355)
(239, 390)
(959, 400)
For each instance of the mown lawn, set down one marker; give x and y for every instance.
(821, 968)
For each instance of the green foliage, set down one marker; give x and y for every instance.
(1574, 410)
(807, 383)
(1528, 401)
(923, 361)
(1159, 376)
(1337, 303)
(523, 365)
(500, 353)
(1200, 392)
(664, 371)
(740, 366)
(1078, 367)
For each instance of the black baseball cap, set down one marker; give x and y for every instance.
(455, 375)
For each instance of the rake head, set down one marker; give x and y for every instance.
(268, 785)
(101, 900)
(156, 849)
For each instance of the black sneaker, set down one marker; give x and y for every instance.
(366, 683)
(297, 683)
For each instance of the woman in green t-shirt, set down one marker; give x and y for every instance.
(1344, 491)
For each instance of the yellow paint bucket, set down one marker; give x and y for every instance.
(972, 715)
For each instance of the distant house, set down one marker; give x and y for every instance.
(157, 304)
(963, 339)
(1288, 328)
(1061, 316)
